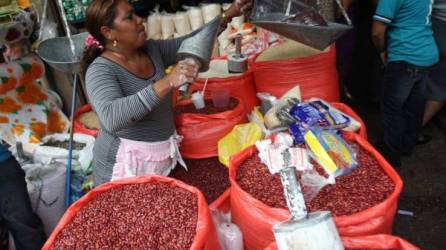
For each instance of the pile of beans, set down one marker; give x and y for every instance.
(365, 187)
(208, 175)
(136, 216)
(208, 109)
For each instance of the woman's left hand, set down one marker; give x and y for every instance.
(239, 7)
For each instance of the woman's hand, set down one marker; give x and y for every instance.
(184, 72)
(238, 8)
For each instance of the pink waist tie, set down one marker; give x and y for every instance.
(135, 158)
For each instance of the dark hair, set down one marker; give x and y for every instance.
(99, 13)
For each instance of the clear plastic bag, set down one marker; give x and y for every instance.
(229, 234)
(313, 182)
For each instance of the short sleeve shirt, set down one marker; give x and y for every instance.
(409, 34)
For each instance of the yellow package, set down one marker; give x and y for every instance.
(320, 153)
(241, 137)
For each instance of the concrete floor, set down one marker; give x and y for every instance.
(424, 175)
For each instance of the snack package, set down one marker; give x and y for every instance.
(319, 114)
(330, 151)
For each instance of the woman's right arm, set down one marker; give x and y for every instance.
(116, 111)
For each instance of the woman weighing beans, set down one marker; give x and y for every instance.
(129, 91)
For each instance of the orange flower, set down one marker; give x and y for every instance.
(33, 139)
(8, 105)
(38, 128)
(18, 129)
(30, 94)
(4, 119)
(36, 70)
(55, 123)
(7, 84)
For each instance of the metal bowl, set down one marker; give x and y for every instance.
(57, 53)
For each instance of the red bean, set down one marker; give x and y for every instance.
(136, 216)
(208, 175)
(365, 187)
(208, 109)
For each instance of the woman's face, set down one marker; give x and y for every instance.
(128, 29)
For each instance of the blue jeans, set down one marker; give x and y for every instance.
(402, 107)
(15, 208)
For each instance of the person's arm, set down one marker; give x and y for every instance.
(346, 4)
(386, 11)
(379, 38)
(116, 111)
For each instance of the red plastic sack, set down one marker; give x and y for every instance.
(79, 127)
(202, 132)
(256, 219)
(347, 110)
(316, 75)
(375, 242)
(223, 203)
(205, 238)
(240, 86)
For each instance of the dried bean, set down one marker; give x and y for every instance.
(208, 109)
(208, 175)
(365, 187)
(136, 216)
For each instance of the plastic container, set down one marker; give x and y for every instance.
(198, 100)
(220, 97)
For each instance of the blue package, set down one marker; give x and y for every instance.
(317, 114)
(297, 131)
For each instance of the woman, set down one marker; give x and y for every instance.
(129, 91)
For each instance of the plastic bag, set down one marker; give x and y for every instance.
(202, 132)
(256, 219)
(229, 235)
(316, 75)
(375, 242)
(241, 137)
(205, 237)
(331, 152)
(313, 182)
(46, 188)
(81, 158)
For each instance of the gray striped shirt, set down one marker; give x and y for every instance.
(127, 106)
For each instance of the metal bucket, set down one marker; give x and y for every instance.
(57, 53)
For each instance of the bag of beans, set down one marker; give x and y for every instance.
(202, 129)
(208, 175)
(258, 203)
(86, 121)
(240, 85)
(314, 71)
(375, 242)
(151, 212)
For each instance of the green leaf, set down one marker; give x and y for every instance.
(20, 89)
(4, 79)
(26, 67)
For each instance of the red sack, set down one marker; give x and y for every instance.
(347, 110)
(256, 219)
(380, 241)
(375, 242)
(205, 238)
(240, 86)
(202, 132)
(316, 75)
(79, 127)
(222, 204)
